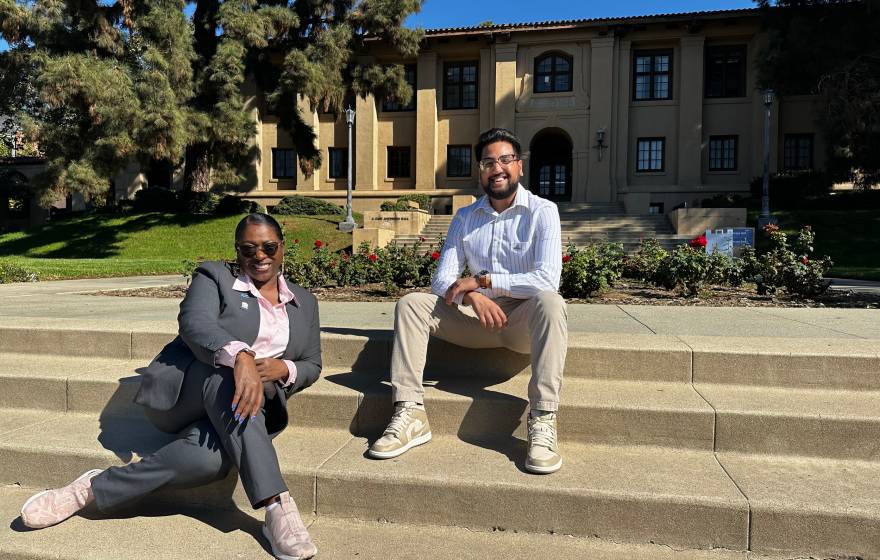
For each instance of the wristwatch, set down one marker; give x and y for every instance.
(484, 279)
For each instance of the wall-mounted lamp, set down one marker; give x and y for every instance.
(600, 142)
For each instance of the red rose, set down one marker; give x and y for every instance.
(345, 257)
(566, 258)
(318, 243)
(805, 260)
(296, 240)
(373, 258)
(422, 238)
(698, 242)
(435, 255)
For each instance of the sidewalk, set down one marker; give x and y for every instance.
(67, 299)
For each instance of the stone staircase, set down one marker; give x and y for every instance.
(582, 223)
(674, 446)
(432, 233)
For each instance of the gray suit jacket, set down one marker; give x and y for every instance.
(211, 316)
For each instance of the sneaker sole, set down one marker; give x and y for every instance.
(38, 494)
(422, 439)
(534, 469)
(280, 556)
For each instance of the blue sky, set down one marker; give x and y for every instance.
(462, 13)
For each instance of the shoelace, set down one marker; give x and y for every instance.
(542, 432)
(398, 421)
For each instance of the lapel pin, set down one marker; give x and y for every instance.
(244, 305)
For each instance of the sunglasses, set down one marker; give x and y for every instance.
(269, 248)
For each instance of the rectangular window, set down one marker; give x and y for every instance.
(398, 161)
(338, 163)
(798, 152)
(409, 74)
(651, 154)
(460, 85)
(283, 163)
(458, 161)
(726, 71)
(652, 75)
(722, 153)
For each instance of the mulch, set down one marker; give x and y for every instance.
(626, 292)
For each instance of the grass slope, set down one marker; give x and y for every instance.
(152, 243)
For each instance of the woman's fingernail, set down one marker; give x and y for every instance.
(233, 406)
(238, 416)
(254, 417)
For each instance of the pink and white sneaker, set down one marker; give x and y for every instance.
(286, 532)
(51, 507)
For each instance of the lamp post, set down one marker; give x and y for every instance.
(349, 224)
(765, 217)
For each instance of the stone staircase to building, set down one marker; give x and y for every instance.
(674, 446)
(582, 224)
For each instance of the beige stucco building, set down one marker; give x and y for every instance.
(649, 111)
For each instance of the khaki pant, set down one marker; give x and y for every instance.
(535, 326)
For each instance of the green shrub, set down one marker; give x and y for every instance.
(198, 202)
(724, 270)
(14, 273)
(156, 199)
(645, 262)
(231, 205)
(790, 267)
(686, 267)
(793, 190)
(305, 206)
(591, 269)
(725, 200)
(393, 206)
(402, 203)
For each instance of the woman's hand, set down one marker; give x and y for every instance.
(272, 369)
(248, 398)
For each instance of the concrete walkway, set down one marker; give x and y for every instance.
(69, 299)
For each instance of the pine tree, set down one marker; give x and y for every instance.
(98, 86)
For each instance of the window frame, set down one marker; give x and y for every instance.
(653, 53)
(398, 151)
(394, 106)
(662, 140)
(344, 155)
(723, 138)
(722, 51)
(461, 84)
(811, 137)
(554, 73)
(275, 152)
(467, 149)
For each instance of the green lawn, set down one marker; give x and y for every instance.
(153, 243)
(850, 237)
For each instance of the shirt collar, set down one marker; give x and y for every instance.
(521, 199)
(244, 284)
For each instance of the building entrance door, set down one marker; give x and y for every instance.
(550, 165)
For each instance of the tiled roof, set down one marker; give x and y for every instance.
(590, 22)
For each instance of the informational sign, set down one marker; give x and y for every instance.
(730, 241)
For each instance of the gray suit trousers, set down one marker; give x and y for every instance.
(209, 441)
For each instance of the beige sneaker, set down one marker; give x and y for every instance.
(51, 507)
(543, 456)
(408, 428)
(286, 532)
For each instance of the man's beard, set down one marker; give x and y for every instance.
(501, 195)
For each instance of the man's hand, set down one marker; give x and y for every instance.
(248, 398)
(461, 286)
(490, 314)
(272, 369)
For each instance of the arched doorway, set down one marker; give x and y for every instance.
(550, 165)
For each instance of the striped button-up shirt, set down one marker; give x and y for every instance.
(521, 247)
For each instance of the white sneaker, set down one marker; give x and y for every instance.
(543, 456)
(408, 428)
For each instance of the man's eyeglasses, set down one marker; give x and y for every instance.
(250, 251)
(489, 163)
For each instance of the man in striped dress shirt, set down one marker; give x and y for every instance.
(512, 238)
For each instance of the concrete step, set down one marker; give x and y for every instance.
(178, 531)
(616, 493)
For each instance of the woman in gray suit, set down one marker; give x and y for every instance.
(247, 341)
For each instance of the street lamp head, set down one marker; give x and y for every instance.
(349, 115)
(769, 95)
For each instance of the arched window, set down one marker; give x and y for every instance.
(552, 73)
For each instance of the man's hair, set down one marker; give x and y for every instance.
(258, 219)
(497, 135)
